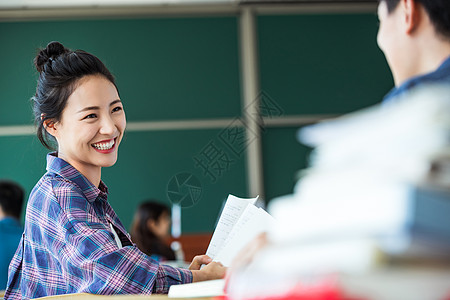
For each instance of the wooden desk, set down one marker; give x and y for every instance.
(83, 296)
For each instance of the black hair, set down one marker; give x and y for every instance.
(437, 10)
(391, 4)
(11, 198)
(59, 71)
(142, 236)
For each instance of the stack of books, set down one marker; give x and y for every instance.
(371, 216)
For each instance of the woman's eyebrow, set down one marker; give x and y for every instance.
(89, 108)
(96, 107)
(114, 102)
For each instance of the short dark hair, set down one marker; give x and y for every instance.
(437, 10)
(59, 71)
(11, 198)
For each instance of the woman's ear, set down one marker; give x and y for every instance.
(50, 127)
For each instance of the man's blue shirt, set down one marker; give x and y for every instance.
(10, 234)
(440, 76)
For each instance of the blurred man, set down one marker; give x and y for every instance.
(415, 38)
(11, 201)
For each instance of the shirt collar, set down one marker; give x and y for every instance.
(444, 65)
(442, 70)
(64, 169)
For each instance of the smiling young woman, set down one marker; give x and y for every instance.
(91, 127)
(73, 240)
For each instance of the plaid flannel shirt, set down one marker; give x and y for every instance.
(68, 246)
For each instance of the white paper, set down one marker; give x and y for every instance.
(232, 211)
(210, 288)
(253, 221)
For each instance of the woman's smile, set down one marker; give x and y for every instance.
(105, 146)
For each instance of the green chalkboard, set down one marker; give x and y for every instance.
(322, 64)
(166, 68)
(22, 159)
(283, 158)
(315, 64)
(171, 68)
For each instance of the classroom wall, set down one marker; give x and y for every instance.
(188, 68)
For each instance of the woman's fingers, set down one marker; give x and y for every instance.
(198, 261)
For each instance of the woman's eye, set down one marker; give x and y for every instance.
(118, 108)
(91, 116)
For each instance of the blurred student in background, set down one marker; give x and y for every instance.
(150, 230)
(11, 201)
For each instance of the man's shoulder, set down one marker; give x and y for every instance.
(440, 76)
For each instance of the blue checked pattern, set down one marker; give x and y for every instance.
(68, 246)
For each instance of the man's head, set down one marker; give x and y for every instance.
(11, 199)
(414, 35)
(437, 10)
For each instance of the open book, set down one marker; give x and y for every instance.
(240, 222)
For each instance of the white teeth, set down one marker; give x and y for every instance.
(104, 146)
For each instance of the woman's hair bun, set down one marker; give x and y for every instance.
(52, 51)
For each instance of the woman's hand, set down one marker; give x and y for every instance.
(198, 261)
(211, 270)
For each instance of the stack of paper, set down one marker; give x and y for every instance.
(239, 223)
(376, 196)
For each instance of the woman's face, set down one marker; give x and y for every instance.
(161, 227)
(91, 126)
